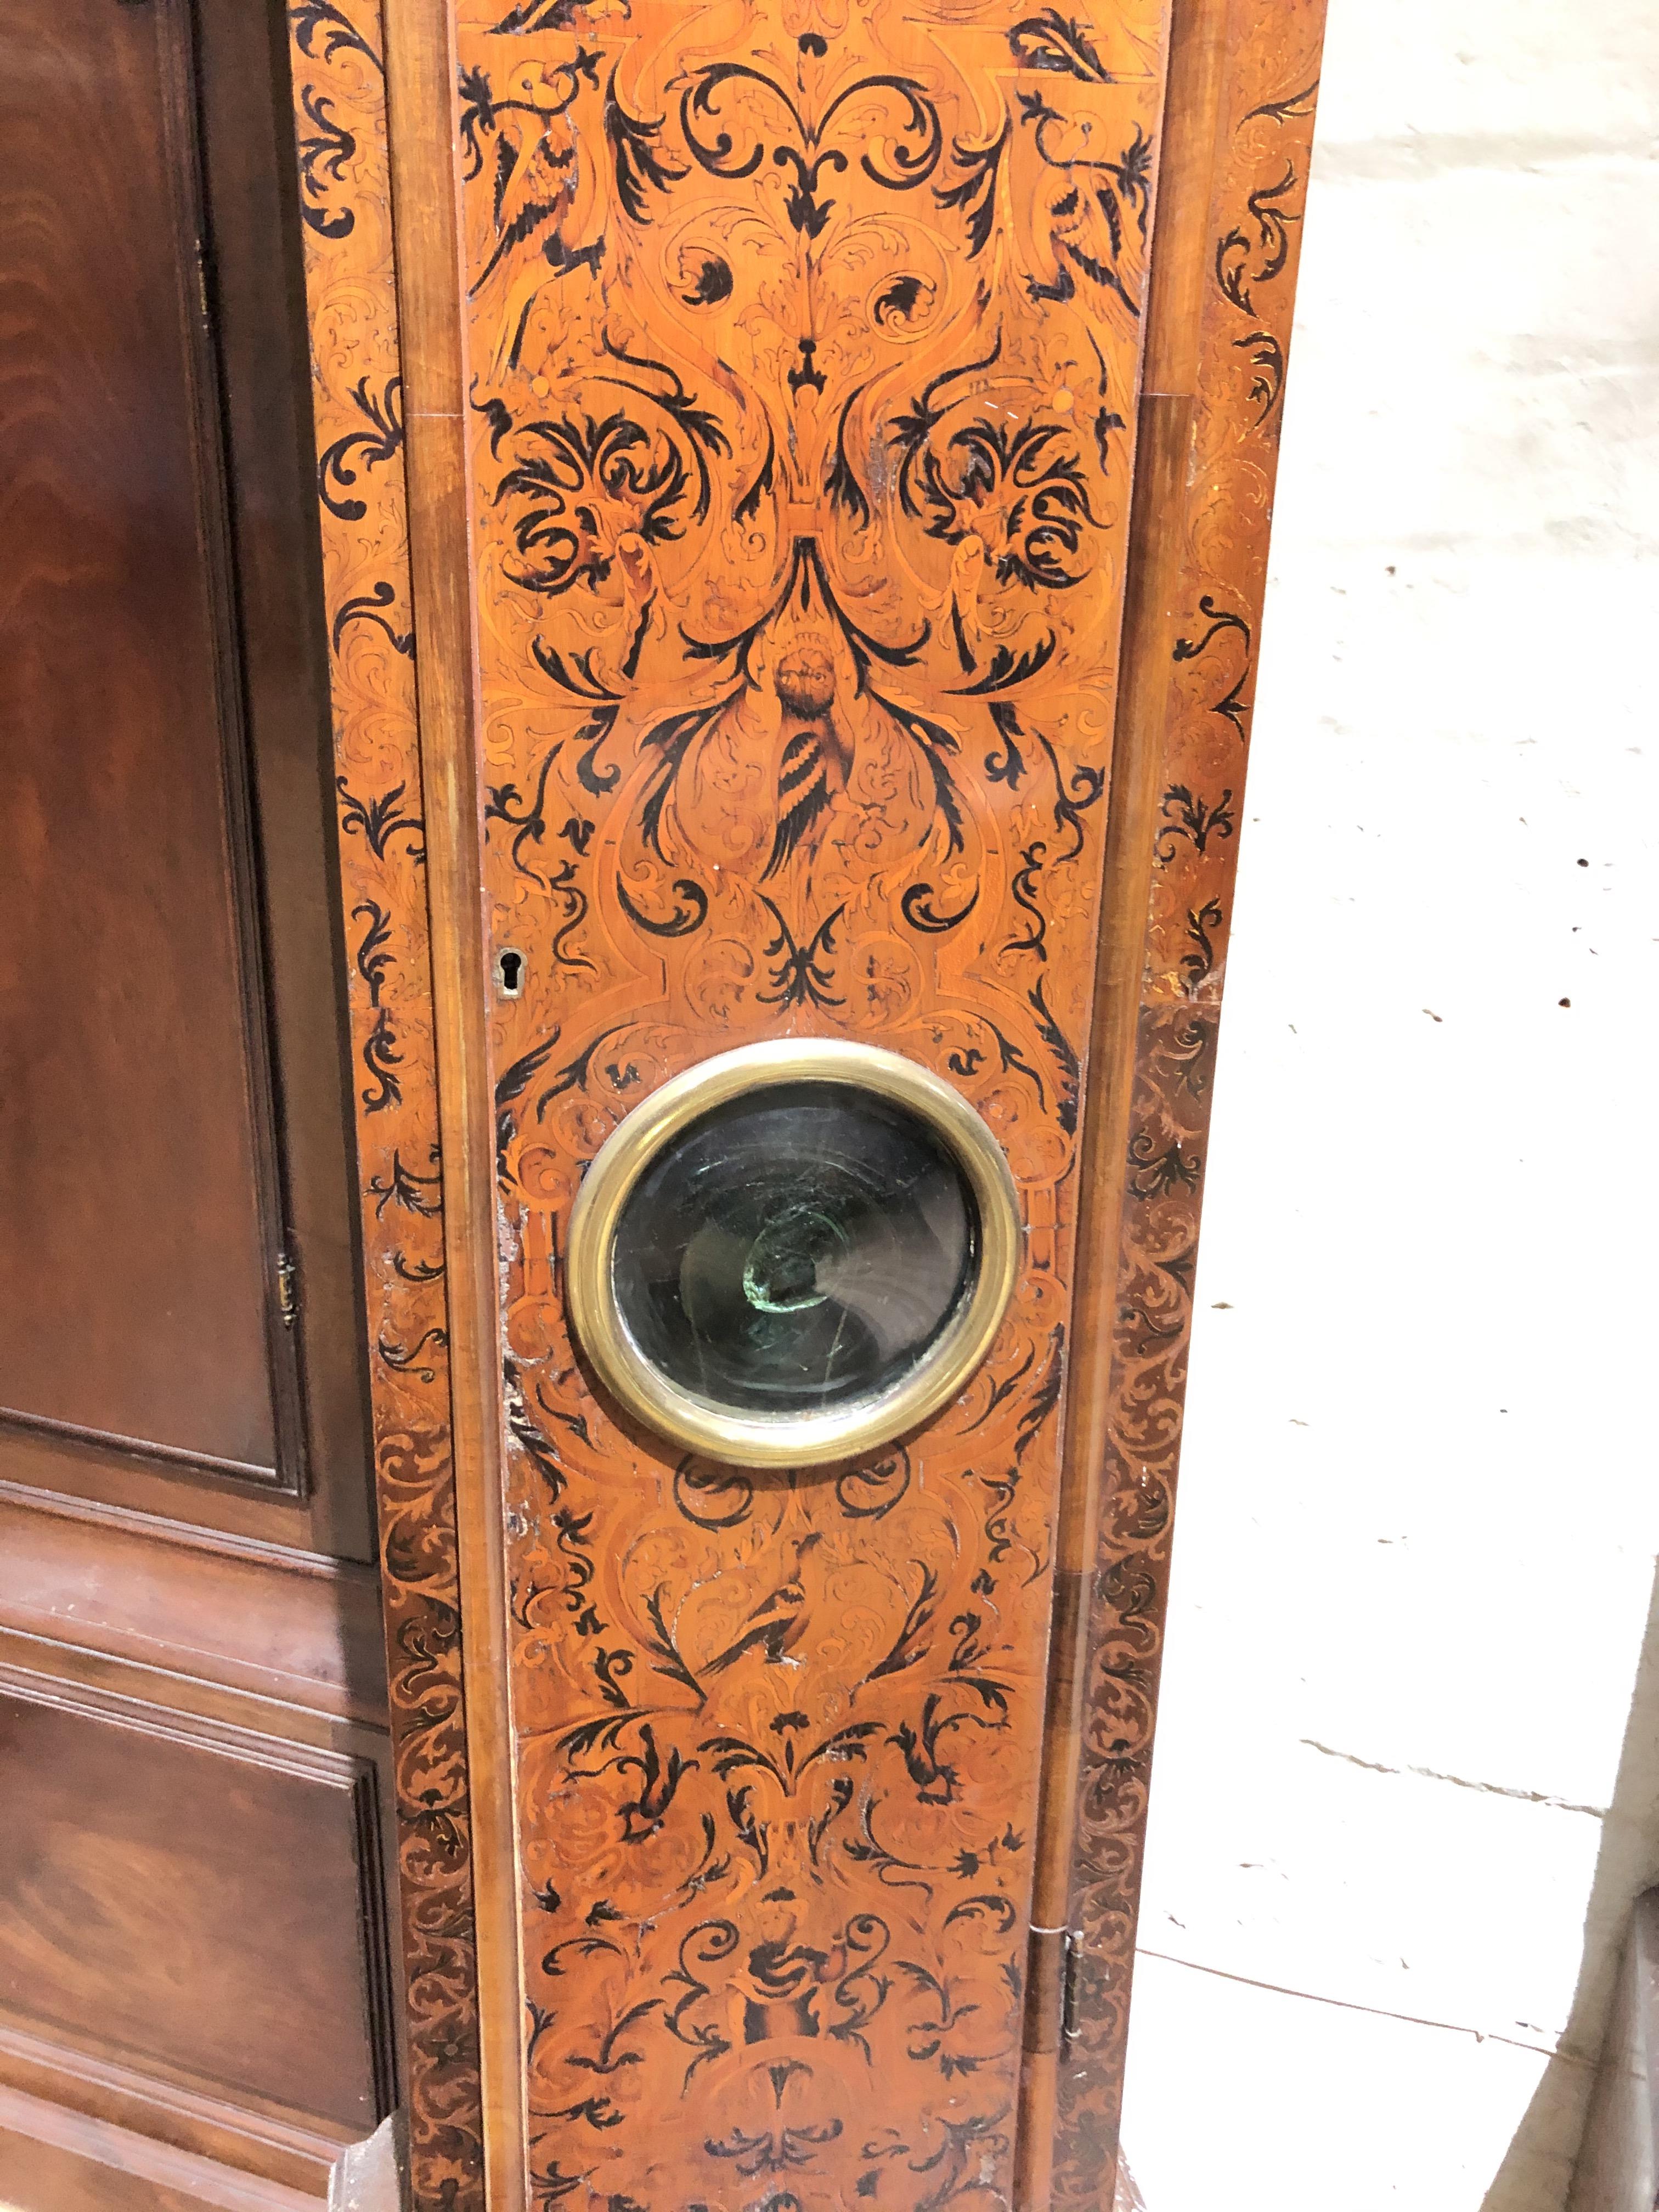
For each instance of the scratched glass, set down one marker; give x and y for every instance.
(794, 1249)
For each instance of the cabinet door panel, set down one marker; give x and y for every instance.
(193, 1971)
(177, 1268)
(802, 448)
(133, 1267)
(130, 1922)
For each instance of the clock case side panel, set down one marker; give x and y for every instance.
(1243, 82)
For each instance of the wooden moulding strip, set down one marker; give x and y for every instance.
(421, 71)
(284, 1627)
(183, 2176)
(1224, 247)
(1169, 368)
(97, 2108)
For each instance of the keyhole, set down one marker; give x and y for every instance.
(509, 973)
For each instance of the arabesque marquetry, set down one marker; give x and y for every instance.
(1220, 420)
(803, 347)
(337, 57)
(801, 369)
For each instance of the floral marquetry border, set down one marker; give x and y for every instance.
(337, 49)
(1271, 81)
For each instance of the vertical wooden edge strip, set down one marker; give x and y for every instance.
(1186, 159)
(1242, 83)
(337, 67)
(421, 77)
(336, 58)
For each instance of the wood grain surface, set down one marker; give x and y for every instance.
(180, 1313)
(339, 63)
(55, 2161)
(801, 354)
(421, 72)
(282, 1627)
(1212, 415)
(803, 360)
(134, 1261)
(129, 1835)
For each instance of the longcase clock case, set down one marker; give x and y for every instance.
(814, 598)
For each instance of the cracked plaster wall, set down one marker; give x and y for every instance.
(1407, 1779)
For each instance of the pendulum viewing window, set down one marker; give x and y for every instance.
(793, 1252)
(795, 1248)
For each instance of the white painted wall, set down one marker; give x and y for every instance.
(1415, 1554)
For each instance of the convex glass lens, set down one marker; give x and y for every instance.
(800, 1246)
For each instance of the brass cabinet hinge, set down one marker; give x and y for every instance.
(288, 1290)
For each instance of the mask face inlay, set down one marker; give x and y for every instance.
(793, 1252)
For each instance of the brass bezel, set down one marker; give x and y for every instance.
(697, 1424)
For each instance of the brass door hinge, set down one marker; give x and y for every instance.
(288, 1290)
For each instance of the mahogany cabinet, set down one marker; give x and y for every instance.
(766, 564)
(196, 1977)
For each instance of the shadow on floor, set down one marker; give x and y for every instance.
(1537, 2172)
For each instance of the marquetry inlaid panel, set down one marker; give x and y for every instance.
(338, 61)
(804, 339)
(1205, 636)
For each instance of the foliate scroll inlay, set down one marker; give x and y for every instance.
(1271, 80)
(337, 61)
(804, 344)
